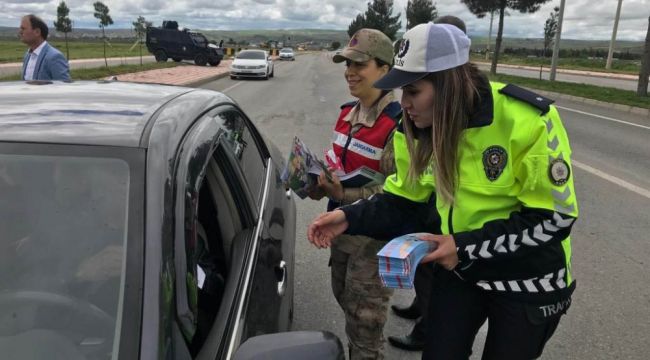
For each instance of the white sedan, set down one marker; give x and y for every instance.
(287, 54)
(252, 63)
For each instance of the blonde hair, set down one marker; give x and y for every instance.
(455, 95)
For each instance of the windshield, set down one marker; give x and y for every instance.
(199, 40)
(253, 55)
(286, 50)
(63, 222)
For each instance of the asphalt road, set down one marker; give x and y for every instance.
(572, 78)
(610, 315)
(15, 68)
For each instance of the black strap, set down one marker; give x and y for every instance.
(540, 102)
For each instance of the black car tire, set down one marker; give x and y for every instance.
(214, 63)
(200, 60)
(160, 55)
(233, 77)
(177, 59)
(272, 72)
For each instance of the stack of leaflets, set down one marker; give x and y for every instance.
(303, 168)
(399, 259)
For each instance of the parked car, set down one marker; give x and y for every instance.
(287, 54)
(143, 222)
(252, 64)
(165, 43)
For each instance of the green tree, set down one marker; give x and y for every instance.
(101, 13)
(378, 16)
(140, 27)
(335, 45)
(356, 24)
(550, 28)
(644, 73)
(420, 12)
(482, 7)
(63, 24)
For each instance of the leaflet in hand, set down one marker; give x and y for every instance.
(302, 169)
(399, 259)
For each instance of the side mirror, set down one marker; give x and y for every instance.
(313, 345)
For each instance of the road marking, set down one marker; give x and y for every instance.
(231, 87)
(603, 117)
(613, 179)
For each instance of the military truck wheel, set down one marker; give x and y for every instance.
(214, 63)
(160, 55)
(200, 60)
(177, 59)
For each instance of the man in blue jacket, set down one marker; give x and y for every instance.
(41, 61)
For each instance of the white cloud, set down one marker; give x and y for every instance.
(584, 19)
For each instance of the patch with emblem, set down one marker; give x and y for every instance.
(559, 172)
(353, 42)
(403, 48)
(495, 159)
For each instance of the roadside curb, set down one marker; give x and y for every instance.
(620, 107)
(547, 69)
(199, 82)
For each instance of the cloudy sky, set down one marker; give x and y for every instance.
(584, 19)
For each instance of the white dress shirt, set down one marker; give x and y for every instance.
(31, 62)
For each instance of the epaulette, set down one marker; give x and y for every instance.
(540, 102)
(394, 111)
(349, 104)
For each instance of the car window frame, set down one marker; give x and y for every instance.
(260, 145)
(205, 141)
(130, 323)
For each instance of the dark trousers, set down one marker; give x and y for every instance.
(422, 285)
(457, 309)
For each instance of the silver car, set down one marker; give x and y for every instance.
(252, 64)
(287, 54)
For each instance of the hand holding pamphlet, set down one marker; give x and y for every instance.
(303, 168)
(399, 259)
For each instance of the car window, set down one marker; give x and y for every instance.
(240, 140)
(63, 232)
(252, 55)
(199, 40)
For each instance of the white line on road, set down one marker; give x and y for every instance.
(603, 117)
(613, 179)
(231, 87)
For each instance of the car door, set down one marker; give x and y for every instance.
(223, 262)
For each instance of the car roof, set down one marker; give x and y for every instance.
(89, 112)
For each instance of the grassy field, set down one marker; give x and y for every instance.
(606, 94)
(102, 72)
(618, 66)
(13, 51)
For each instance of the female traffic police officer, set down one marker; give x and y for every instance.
(362, 137)
(498, 160)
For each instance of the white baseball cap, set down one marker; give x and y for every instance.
(424, 49)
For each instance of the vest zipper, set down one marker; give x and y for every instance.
(450, 223)
(353, 130)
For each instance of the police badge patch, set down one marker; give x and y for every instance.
(495, 159)
(559, 172)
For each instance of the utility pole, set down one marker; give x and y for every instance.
(487, 48)
(611, 43)
(556, 44)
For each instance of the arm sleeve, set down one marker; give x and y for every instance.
(404, 207)
(59, 68)
(548, 203)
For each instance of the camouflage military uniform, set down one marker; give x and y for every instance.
(355, 278)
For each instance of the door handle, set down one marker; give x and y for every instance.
(281, 274)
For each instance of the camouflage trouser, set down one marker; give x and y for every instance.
(359, 292)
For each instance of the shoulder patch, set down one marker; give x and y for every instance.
(538, 101)
(349, 104)
(394, 111)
